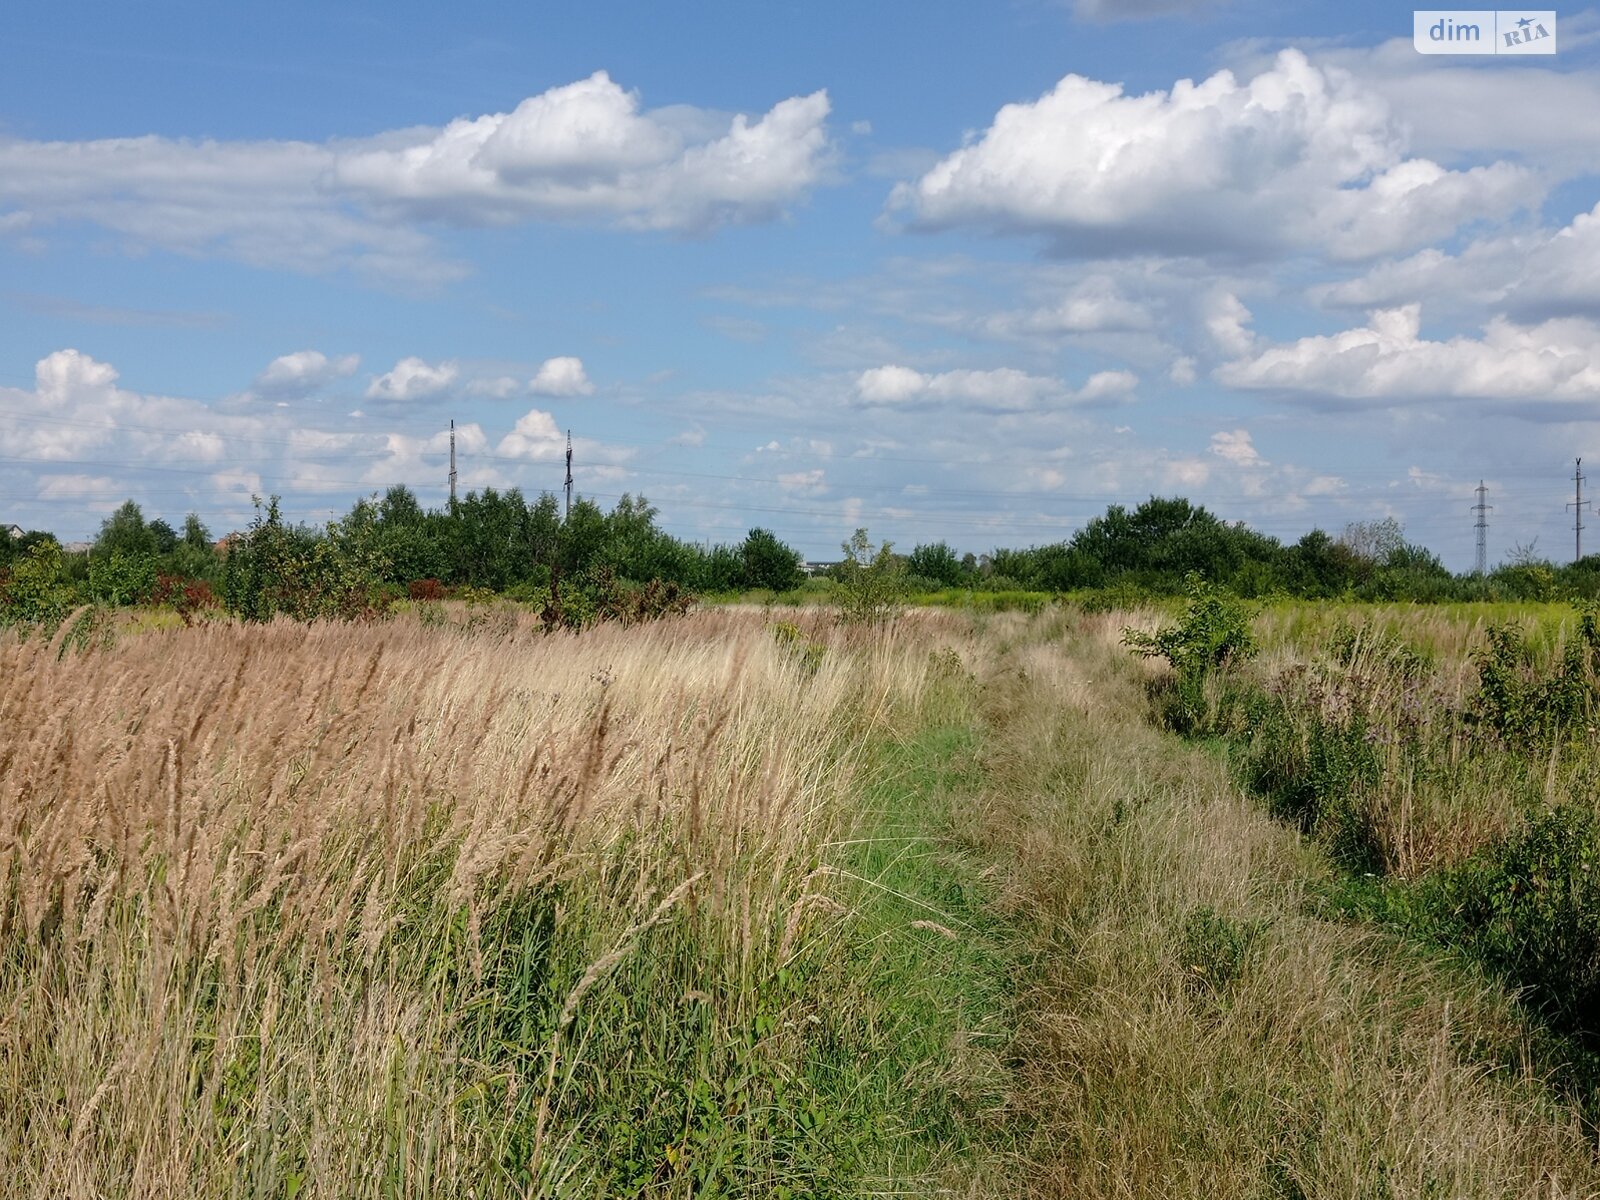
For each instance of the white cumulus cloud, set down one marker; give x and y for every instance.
(1236, 446)
(534, 436)
(1094, 305)
(561, 377)
(1299, 157)
(413, 379)
(1533, 369)
(585, 152)
(1003, 389)
(1542, 273)
(303, 372)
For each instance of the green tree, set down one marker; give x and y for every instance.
(163, 537)
(125, 530)
(32, 591)
(872, 581)
(195, 535)
(769, 563)
(583, 538)
(121, 577)
(937, 563)
(276, 568)
(720, 570)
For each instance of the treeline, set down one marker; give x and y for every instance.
(571, 565)
(1154, 548)
(503, 542)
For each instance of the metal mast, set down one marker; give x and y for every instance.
(1577, 506)
(452, 463)
(1482, 527)
(569, 472)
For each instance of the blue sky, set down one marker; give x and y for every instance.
(942, 270)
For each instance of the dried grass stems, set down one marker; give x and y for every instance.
(1196, 1029)
(246, 876)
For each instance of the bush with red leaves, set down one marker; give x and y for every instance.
(426, 589)
(187, 597)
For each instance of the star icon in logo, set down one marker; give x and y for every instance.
(1524, 23)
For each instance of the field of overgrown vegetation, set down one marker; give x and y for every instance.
(757, 902)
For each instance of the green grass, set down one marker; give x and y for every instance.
(868, 1059)
(941, 959)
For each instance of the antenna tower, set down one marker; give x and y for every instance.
(452, 463)
(1482, 527)
(569, 472)
(1577, 506)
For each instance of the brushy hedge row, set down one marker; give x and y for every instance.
(1462, 808)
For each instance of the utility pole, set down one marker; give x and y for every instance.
(569, 473)
(1482, 527)
(1577, 510)
(452, 464)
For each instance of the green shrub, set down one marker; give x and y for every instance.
(122, 577)
(871, 582)
(1213, 950)
(273, 568)
(1213, 632)
(1529, 910)
(32, 592)
(1526, 708)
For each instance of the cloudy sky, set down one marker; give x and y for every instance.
(946, 270)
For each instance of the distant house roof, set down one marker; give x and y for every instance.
(14, 530)
(77, 547)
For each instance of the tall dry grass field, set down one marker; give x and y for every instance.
(725, 906)
(411, 910)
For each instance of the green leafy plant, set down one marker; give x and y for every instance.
(1213, 631)
(871, 582)
(1526, 708)
(122, 576)
(1213, 950)
(32, 592)
(1529, 909)
(274, 568)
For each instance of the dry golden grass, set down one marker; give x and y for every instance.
(246, 873)
(1325, 1061)
(427, 910)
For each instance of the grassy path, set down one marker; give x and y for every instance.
(1185, 1024)
(931, 912)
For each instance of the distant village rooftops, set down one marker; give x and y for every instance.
(14, 531)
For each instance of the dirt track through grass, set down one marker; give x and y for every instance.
(694, 910)
(1191, 1027)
